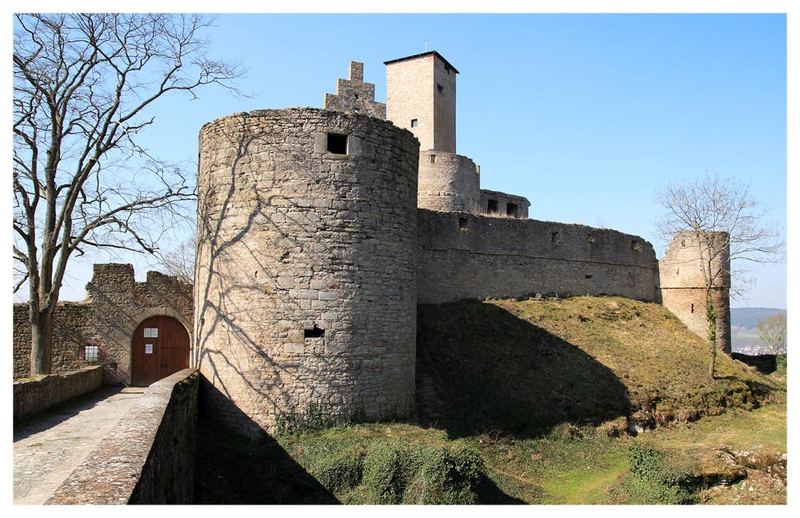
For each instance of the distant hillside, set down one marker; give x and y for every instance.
(744, 336)
(750, 317)
(520, 365)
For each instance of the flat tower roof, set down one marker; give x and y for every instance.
(415, 56)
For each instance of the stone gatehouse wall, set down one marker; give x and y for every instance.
(464, 256)
(115, 305)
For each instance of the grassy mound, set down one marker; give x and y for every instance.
(389, 464)
(524, 366)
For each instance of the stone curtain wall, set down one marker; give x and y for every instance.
(116, 304)
(148, 458)
(353, 95)
(448, 182)
(306, 267)
(683, 291)
(37, 394)
(463, 256)
(71, 325)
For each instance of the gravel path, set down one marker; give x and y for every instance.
(49, 447)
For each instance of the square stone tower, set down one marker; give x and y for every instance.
(421, 97)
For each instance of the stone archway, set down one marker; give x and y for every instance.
(159, 347)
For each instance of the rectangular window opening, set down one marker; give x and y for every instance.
(151, 332)
(314, 332)
(635, 245)
(692, 308)
(492, 206)
(91, 353)
(555, 236)
(439, 87)
(337, 143)
(462, 223)
(511, 210)
(433, 159)
(588, 276)
(414, 123)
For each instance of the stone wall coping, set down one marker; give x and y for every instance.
(111, 472)
(38, 393)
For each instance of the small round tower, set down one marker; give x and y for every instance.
(448, 182)
(305, 288)
(685, 271)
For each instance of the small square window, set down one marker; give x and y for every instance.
(492, 206)
(337, 143)
(91, 353)
(151, 332)
(439, 87)
(414, 123)
(462, 223)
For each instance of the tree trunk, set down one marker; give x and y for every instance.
(711, 316)
(41, 331)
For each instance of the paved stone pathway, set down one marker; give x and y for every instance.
(48, 448)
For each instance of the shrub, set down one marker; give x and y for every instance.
(653, 479)
(445, 476)
(340, 470)
(387, 468)
(394, 472)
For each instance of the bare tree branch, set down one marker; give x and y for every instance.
(83, 86)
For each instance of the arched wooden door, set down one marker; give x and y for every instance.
(160, 348)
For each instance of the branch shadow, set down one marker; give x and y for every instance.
(233, 469)
(481, 369)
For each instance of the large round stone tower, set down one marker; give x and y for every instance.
(305, 290)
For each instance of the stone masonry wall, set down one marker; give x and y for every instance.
(35, 395)
(306, 267)
(448, 182)
(115, 305)
(353, 95)
(71, 325)
(464, 256)
(148, 457)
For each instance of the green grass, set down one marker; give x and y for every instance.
(523, 366)
(527, 401)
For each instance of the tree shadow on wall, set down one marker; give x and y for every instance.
(232, 469)
(481, 369)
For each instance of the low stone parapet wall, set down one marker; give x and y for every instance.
(34, 395)
(148, 458)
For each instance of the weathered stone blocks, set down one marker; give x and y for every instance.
(306, 266)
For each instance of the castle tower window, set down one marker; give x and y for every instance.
(588, 275)
(511, 210)
(492, 206)
(462, 223)
(414, 123)
(692, 308)
(439, 87)
(635, 245)
(337, 143)
(314, 332)
(555, 237)
(433, 159)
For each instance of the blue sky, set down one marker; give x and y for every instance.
(586, 115)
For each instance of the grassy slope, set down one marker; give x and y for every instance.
(519, 366)
(519, 382)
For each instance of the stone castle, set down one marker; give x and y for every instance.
(320, 231)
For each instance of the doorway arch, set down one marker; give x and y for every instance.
(160, 347)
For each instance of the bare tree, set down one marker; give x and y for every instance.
(726, 224)
(179, 262)
(84, 85)
(772, 331)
